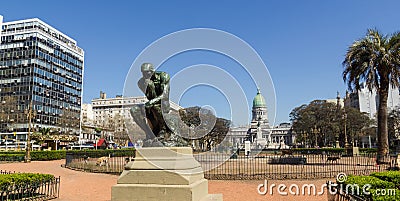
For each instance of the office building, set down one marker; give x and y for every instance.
(42, 67)
(366, 101)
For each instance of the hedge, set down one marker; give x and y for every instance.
(318, 150)
(61, 154)
(10, 181)
(378, 180)
(373, 181)
(35, 155)
(368, 150)
(330, 150)
(376, 197)
(12, 157)
(47, 155)
(101, 153)
(391, 176)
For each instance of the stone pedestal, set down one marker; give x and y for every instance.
(163, 173)
(356, 151)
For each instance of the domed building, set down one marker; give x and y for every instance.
(260, 114)
(259, 132)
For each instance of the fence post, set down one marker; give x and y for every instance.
(58, 186)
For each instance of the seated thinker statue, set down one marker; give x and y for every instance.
(150, 116)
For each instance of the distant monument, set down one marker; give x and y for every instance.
(151, 117)
(260, 141)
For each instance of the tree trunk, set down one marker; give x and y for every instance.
(382, 135)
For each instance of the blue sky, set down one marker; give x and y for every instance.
(301, 42)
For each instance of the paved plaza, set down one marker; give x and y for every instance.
(83, 186)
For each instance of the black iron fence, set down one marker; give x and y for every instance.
(112, 162)
(342, 196)
(34, 191)
(238, 167)
(308, 166)
(6, 172)
(336, 193)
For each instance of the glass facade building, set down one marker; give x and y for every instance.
(42, 67)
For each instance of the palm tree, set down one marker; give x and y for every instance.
(374, 60)
(45, 131)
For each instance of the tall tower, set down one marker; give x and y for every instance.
(260, 114)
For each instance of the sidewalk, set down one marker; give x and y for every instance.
(83, 186)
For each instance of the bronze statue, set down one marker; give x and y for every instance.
(151, 116)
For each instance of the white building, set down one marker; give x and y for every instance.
(366, 101)
(111, 114)
(238, 135)
(282, 131)
(337, 100)
(87, 114)
(113, 111)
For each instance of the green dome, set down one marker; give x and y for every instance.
(259, 100)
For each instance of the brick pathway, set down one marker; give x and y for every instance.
(82, 186)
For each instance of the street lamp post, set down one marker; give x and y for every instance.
(28, 140)
(315, 131)
(316, 137)
(6, 141)
(347, 145)
(307, 139)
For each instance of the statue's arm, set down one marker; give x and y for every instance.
(164, 81)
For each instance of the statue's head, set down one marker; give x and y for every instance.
(147, 70)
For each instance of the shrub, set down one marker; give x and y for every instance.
(47, 155)
(102, 152)
(35, 155)
(373, 181)
(391, 176)
(318, 151)
(61, 154)
(368, 150)
(12, 157)
(380, 197)
(10, 181)
(384, 181)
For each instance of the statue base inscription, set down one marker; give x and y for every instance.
(163, 173)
